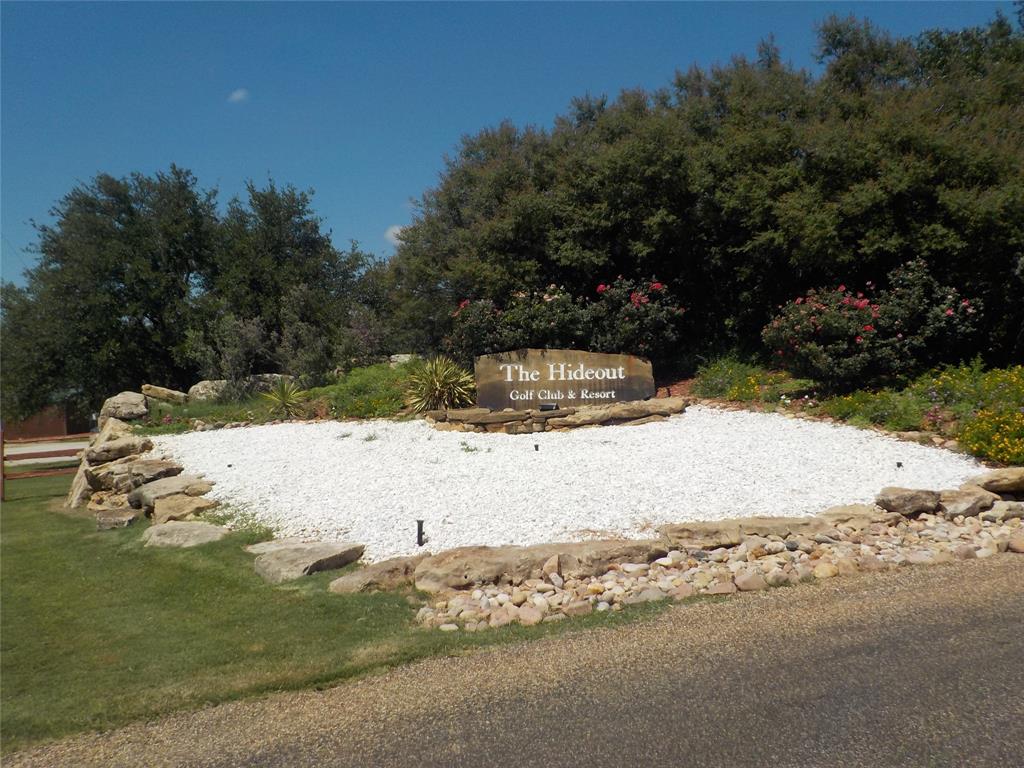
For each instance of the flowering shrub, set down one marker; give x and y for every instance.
(626, 316)
(995, 435)
(844, 338)
(634, 317)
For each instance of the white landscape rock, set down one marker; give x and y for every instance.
(370, 481)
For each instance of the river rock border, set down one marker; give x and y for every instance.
(479, 587)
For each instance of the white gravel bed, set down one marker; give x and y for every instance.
(370, 481)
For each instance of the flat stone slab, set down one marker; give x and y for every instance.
(907, 501)
(290, 561)
(124, 405)
(165, 394)
(145, 496)
(969, 502)
(118, 448)
(273, 545)
(465, 566)
(147, 470)
(387, 574)
(113, 476)
(182, 534)
(1007, 480)
(179, 507)
(116, 517)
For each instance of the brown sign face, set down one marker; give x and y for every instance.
(530, 378)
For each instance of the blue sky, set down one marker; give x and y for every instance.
(358, 101)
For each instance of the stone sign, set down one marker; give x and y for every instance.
(532, 378)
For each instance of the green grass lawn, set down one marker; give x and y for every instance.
(98, 631)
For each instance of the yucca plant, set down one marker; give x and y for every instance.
(286, 399)
(439, 384)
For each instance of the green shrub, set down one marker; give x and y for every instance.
(995, 435)
(897, 411)
(717, 378)
(731, 379)
(845, 339)
(439, 384)
(375, 391)
(286, 399)
(636, 317)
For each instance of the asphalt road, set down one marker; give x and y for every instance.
(924, 667)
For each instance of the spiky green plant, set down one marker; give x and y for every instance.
(439, 384)
(286, 399)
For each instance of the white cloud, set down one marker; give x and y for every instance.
(393, 234)
(238, 95)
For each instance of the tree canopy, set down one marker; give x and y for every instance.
(736, 188)
(745, 185)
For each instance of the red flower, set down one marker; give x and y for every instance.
(464, 303)
(602, 288)
(841, 288)
(858, 339)
(869, 328)
(656, 286)
(799, 301)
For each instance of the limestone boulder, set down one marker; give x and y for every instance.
(387, 574)
(467, 414)
(80, 491)
(465, 566)
(118, 448)
(619, 412)
(907, 501)
(166, 395)
(112, 429)
(145, 496)
(702, 535)
(209, 389)
(969, 502)
(781, 526)
(1006, 480)
(180, 507)
(214, 389)
(116, 517)
(147, 470)
(182, 534)
(858, 516)
(124, 406)
(112, 476)
(291, 561)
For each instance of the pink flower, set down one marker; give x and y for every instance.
(602, 288)
(965, 303)
(841, 288)
(799, 301)
(949, 312)
(858, 339)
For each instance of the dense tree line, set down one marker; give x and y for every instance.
(744, 186)
(737, 188)
(142, 280)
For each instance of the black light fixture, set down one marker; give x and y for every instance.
(419, 533)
